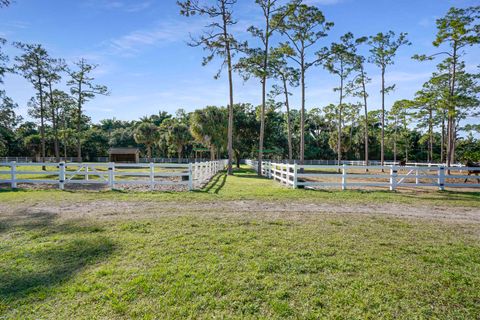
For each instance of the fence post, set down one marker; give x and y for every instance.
(441, 178)
(194, 171)
(416, 176)
(152, 176)
(344, 177)
(86, 171)
(295, 170)
(13, 171)
(393, 178)
(190, 177)
(61, 175)
(199, 171)
(111, 176)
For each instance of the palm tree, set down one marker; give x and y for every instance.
(146, 133)
(208, 126)
(178, 135)
(33, 143)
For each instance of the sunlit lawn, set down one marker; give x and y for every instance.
(248, 266)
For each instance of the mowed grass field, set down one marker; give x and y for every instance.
(210, 260)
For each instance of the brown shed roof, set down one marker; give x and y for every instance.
(123, 151)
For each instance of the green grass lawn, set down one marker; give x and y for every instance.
(245, 267)
(237, 265)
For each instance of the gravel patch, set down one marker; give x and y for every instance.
(109, 210)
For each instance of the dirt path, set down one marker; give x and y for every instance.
(109, 210)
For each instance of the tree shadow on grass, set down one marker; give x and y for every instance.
(46, 267)
(216, 184)
(247, 173)
(251, 176)
(6, 188)
(46, 253)
(27, 220)
(448, 196)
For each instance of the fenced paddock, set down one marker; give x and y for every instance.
(363, 163)
(391, 177)
(98, 176)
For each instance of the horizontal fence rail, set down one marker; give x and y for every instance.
(192, 175)
(370, 162)
(17, 159)
(360, 176)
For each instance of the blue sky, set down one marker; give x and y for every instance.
(140, 46)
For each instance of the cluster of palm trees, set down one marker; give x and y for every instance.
(171, 132)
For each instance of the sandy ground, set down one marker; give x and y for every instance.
(112, 210)
(104, 187)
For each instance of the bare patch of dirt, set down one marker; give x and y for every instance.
(101, 187)
(111, 210)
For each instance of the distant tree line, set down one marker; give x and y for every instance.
(438, 124)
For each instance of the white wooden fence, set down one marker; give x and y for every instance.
(192, 175)
(370, 163)
(17, 159)
(391, 177)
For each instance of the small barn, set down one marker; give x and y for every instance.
(125, 155)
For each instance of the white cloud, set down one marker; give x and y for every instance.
(16, 24)
(322, 2)
(126, 6)
(400, 76)
(166, 32)
(425, 22)
(428, 21)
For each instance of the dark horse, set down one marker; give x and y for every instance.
(472, 164)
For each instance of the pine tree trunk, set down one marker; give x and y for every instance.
(382, 144)
(230, 88)
(264, 93)
(302, 112)
(289, 129)
(451, 111)
(339, 127)
(54, 124)
(430, 134)
(366, 116)
(395, 143)
(79, 120)
(442, 146)
(42, 112)
(179, 151)
(64, 124)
